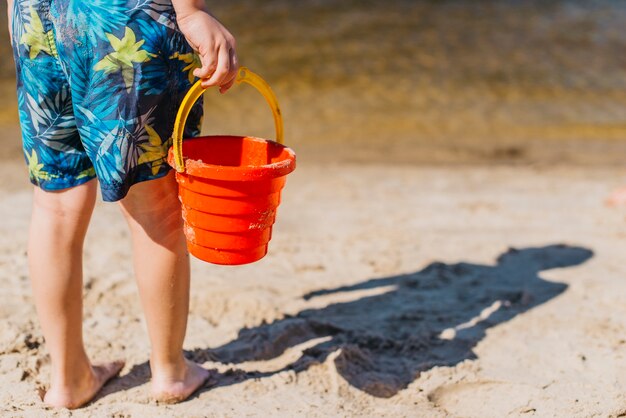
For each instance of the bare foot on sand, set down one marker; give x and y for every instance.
(170, 390)
(75, 397)
(617, 198)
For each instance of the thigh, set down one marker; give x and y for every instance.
(52, 148)
(129, 69)
(68, 210)
(152, 209)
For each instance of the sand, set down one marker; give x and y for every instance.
(388, 291)
(442, 250)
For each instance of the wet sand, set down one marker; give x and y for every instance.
(428, 81)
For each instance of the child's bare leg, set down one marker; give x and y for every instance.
(161, 263)
(57, 231)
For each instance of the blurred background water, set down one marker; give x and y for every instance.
(416, 81)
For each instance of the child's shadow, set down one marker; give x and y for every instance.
(433, 317)
(430, 318)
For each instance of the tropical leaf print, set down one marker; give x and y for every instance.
(124, 146)
(137, 136)
(159, 10)
(35, 38)
(26, 125)
(126, 52)
(98, 17)
(104, 103)
(53, 121)
(92, 89)
(35, 168)
(154, 150)
(192, 60)
(21, 18)
(87, 173)
(108, 162)
(152, 80)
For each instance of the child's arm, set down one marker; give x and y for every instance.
(212, 41)
(10, 14)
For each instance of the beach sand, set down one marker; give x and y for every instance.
(388, 291)
(442, 250)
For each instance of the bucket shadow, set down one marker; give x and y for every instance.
(433, 317)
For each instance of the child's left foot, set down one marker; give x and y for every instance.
(81, 394)
(168, 390)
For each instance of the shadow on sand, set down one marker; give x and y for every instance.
(433, 317)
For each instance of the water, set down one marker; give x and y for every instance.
(431, 81)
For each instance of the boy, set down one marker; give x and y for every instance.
(99, 84)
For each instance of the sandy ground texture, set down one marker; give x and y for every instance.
(391, 288)
(388, 291)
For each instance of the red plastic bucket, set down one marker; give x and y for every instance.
(230, 186)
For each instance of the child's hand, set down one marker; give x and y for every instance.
(214, 44)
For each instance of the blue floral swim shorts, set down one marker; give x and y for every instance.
(99, 83)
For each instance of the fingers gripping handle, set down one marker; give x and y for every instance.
(244, 75)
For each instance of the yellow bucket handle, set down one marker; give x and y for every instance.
(244, 75)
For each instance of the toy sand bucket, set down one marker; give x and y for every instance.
(229, 186)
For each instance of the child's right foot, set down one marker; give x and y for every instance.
(71, 398)
(170, 390)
